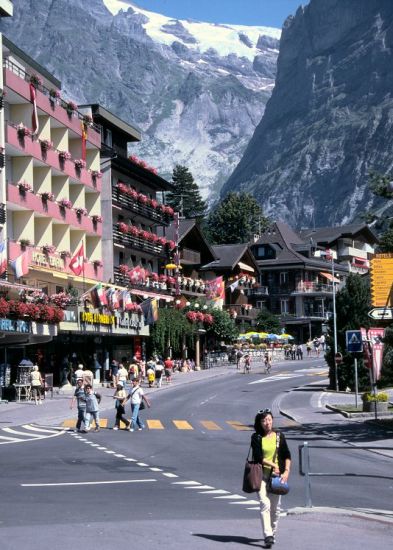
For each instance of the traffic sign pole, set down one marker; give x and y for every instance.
(356, 383)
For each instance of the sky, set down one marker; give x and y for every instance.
(269, 13)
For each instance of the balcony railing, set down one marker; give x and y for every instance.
(257, 291)
(129, 241)
(185, 285)
(3, 214)
(312, 288)
(190, 256)
(21, 73)
(142, 210)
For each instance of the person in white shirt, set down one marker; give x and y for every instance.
(122, 375)
(136, 396)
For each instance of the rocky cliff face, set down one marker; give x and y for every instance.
(330, 118)
(197, 90)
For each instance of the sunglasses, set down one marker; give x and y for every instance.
(264, 411)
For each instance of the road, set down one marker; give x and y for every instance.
(177, 483)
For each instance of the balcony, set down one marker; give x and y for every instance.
(18, 80)
(39, 260)
(141, 212)
(6, 8)
(257, 291)
(242, 312)
(18, 146)
(50, 209)
(3, 214)
(312, 288)
(190, 257)
(130, 241)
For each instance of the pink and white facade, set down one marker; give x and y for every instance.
(50, 184)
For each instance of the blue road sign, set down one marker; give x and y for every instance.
(354, 341)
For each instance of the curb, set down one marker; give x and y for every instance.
(383, 516)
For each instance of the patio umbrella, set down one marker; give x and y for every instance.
(263, 334)
(285, 337)
(25, 363)
(272, 336)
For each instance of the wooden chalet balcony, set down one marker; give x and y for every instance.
(141, 212)
(188, 256)
(312, 288)
(257, 291)
(137, 243)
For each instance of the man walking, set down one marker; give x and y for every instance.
(80, 397)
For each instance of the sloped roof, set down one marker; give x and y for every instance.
(327, 235)
(185, 227)
(228, 256)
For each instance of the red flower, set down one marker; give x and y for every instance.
(162, 241)
(162, 278)
(123, 268)
(58, 315)
(154, 276)
(123, 227)
(33, 311)
(170, 244)
(18, 309)
(208, 319)
(200, 316)
(122, 187)
(153, 203)
(169, 210)
(191, 316)
(142, 198)
(133, 230)
(4, 308)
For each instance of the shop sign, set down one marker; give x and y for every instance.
(47, 260)
(97, 318)
(13, 325)
(70, 316)
(128, 321)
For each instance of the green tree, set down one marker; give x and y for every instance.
(169, 330)
(186, 197)
(352, 307)
(224, 327)
(235, 220)
(267, 322)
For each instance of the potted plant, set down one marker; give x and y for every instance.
(87, 120)
(79, 164)
(71, 107)
(3, 93)
(48, 249)
(22, 131)
(64, 155)
(97, 263)
(35, 80)
(65, 203)
(24, 187)
(24, 243)
(54, 95)
(80, 211)
(96, 218)
(96, 174)
(65, 254)
(47, 196)
(375, 402)
(46, 144)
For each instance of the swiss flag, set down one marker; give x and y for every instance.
(76, 263)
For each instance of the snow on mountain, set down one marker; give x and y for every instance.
(225, 39)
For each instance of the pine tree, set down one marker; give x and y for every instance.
(235, 220)
(186, 197)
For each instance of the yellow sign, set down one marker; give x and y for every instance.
(381, 271)
(97, 318)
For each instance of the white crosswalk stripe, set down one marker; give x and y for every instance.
(28, 432)
(276, 378)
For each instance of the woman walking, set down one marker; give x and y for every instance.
(271, 450)
(36, 385)
(137, 396)
(121, 397)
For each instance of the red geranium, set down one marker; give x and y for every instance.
(200, 316)
(4, 308)
(33, 311)
(133, 230)
(123, 268)
(208, 319)
(18, 309)
(170, 244)
(142, 198)
(123, 227)
(162, 241)
(191, 316)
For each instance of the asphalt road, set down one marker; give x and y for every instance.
(174, 485)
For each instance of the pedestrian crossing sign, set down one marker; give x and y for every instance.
(354, 341)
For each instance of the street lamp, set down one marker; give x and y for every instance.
(329, 256)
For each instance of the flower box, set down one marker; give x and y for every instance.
(23, 131)
(96, 174)
(79, 164)
(24, 243)
(71, 107)
(123, 268)
(64, 155)
(80, 211)
(24, 187)
(46, 144)
(35, 80)
(65, 203)
(133, 230)
(48, 249)
(98, 263)
(96, 218)
(142, 198)
(61, 299)
(54, 94)
(65, 254)
(123, 227)
(87, 120)
(47, 196)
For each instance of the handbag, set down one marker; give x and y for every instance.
(142, 405)
(275, 485)
(252, 477)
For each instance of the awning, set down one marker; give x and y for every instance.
(246, 267)
(329, 277)
(152, 295)
(360, 262)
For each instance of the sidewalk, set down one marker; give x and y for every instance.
(57, 409)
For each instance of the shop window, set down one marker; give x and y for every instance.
(283, 277)
(284, 306)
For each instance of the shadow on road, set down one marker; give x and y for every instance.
(230, 538)
(354, 432)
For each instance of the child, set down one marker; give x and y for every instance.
(92, 411)
(150, 376)
(121, 397)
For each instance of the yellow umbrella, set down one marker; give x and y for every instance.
(262, 334)
(286, 336)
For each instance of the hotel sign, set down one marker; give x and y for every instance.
(47, 260)
(97, 318)
(381, 280)
(12, 325)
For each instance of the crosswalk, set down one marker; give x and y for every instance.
(28, 432)
(183, 425)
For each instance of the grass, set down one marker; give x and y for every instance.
(353, 409)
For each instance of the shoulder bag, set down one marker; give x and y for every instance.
(252, 477)
(275, 485)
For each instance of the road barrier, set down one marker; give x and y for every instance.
(304, 465)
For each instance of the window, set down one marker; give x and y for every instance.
(284, 305)
(264, 252)
(261, 304)
(108, 138)
(59, 289)
(283, 277)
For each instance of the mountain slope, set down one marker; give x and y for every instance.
(330, 118)
(197, 90)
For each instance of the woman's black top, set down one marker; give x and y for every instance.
(283, 452)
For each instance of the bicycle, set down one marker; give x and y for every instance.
(268, 365)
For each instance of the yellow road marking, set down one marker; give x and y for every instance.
(154, 424)
(182, 425)
(103, 422)
(238, 426)
(70, 423)
(210, 425)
